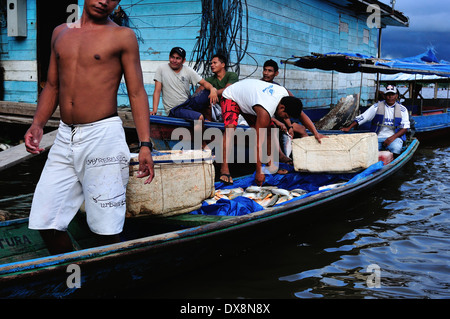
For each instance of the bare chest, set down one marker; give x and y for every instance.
(86, 49)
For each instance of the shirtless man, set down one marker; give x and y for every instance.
(89, 159)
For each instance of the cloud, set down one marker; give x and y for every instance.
(429, 26)
(429, 15)
(406, 43)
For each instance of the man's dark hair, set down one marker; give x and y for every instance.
(293, 105)
(271, 63)
(221, 58)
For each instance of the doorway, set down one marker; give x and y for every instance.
(50, 14)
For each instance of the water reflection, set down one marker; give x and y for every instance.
(410, 244)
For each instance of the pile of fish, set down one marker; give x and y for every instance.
(266, 196)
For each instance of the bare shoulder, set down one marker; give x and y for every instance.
(125, 33)
(126, 38)
(60, 28)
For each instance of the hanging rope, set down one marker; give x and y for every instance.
(222, 32)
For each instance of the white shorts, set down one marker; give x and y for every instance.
(87, 162)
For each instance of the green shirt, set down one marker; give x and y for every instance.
(230, 77)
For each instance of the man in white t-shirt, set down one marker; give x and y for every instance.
(173, 80)
(389, 119)
(258, 101)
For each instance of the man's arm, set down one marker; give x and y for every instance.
(47, 103)
(392, 138)
(262, 121)
(156, 97)
(213, 96)
(310, 126)
(138, 99)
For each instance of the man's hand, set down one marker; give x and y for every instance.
(213, 97)
(388, 141)
(319, 137)
(259, 178)
(146, 165)
(32, 139)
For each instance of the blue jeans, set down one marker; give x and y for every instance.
(395, 147)
(192, 108)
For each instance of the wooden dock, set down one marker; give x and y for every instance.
(22, 113)
(18, 153)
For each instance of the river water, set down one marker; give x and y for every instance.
(391, 243)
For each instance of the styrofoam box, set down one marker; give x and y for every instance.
(183, 179)
(341, 153)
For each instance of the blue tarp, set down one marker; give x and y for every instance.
(309, 182)
(425, 63)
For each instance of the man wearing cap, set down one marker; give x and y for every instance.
(173, 80)
(389, 119)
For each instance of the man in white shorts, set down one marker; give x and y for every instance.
(89, 159)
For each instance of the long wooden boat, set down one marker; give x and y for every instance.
(152, 248)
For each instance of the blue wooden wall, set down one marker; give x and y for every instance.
(161, 25)
(277, 30)
(18, 58)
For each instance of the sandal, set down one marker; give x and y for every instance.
(228, 181)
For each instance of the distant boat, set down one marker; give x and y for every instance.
(431, 117)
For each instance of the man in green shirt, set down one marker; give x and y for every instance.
(220, 80)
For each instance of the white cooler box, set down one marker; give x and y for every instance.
(341, 153)
(183, 179)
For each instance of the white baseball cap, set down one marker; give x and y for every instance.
(390, 89)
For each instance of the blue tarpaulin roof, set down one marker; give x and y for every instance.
(425, 63)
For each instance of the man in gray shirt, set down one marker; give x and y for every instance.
(173, 80)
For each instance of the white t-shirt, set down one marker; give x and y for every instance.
(175, 86)
(250, 92)
(385, 132)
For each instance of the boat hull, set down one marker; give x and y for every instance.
(432, 126)
(104, 270)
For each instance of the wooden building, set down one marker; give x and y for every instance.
(259, 29)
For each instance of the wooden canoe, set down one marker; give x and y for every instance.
(153, 248)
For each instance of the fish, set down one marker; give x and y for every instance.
(331, 186)
(280, 191)
(223, 191)
(286, 141)
(283, 199)
(235, 192)
(298, 192)
(253, 189)
(266, 196)
(210, 201)
(228, 193)
(268, 201)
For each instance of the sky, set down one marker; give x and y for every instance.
(429, 25)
